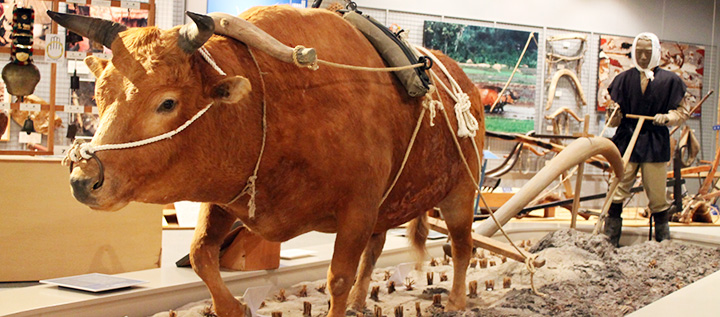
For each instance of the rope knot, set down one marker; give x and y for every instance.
(431, 104)
(251, 191)
(467, 124)
(77, 152)
(530, 265)
(296, 60)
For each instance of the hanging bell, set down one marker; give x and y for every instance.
(72, 130)
(74, 81)
(28, 126)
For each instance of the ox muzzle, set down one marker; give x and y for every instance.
(85, 185)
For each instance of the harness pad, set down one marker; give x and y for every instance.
(395, 51)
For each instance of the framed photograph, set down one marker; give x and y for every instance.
(236, 7)
(488, 56)
(127, 17)
(685, 60)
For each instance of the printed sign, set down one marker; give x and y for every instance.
(54, 48)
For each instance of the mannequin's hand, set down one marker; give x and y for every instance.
(661, 119)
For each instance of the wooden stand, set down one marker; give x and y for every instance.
(250, 252)
(46, 233)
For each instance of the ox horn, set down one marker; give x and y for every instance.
(193, 35)
(99, 30)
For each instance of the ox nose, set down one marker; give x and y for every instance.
(82, 188)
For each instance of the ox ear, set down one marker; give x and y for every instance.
(231, 89)
(96, 64)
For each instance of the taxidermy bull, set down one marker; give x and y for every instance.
(335, 140)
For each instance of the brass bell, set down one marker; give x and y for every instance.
(28, 126)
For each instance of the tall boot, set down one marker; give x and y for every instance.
(613, 223)
(662, 228)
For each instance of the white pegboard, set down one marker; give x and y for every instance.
(168, 14)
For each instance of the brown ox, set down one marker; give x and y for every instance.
(335, 141)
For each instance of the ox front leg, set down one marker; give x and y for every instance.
(354, 230)
(213, 225)
(359, 291)
(458, 214)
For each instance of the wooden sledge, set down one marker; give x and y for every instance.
(488, 243)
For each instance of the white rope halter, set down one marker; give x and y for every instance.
(83, 151)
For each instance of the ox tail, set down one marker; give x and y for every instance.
(417, 233)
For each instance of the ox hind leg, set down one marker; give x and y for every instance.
(213, 225)
(417, 232)
(457, 210)
(373, 249)
(354, 229)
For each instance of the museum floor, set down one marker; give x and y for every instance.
(170, 287)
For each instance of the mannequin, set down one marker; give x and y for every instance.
(645, 90)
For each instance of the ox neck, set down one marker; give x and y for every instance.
(249, 188)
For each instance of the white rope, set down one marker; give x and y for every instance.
(208, 58)
(529, 258)
(431, 104)
(467, 124)
(84, 151)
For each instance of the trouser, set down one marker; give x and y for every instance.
(654, 177)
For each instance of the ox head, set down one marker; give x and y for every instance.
(153, 84)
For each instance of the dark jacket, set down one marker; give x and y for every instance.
(663, 93)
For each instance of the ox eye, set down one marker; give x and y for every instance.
(166, 106)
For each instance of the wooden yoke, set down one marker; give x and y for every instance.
(251, 35)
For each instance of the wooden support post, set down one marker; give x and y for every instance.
(578, 180)
(249, 252)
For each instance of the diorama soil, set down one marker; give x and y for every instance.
(584, 275)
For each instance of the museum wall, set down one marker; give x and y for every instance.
(691, 22)
(168, 14)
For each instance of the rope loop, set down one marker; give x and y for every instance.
(77, 152)
(426, 61)
(296, 60)
(467, 124)
(530, 265)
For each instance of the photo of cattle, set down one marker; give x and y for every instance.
(127, 17)
(40, 27)
(488, 56)
(685, 60)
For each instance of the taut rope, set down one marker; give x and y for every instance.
(529, 260)
(250, 186)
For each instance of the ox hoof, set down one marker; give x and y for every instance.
(232, 310)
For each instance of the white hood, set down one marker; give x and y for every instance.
(654, 59)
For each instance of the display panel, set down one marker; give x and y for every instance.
(685, 60)
(40, 27)
(488, 56)
(127, 17)
(237, 7)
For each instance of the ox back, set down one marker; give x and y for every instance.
(335, 135)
